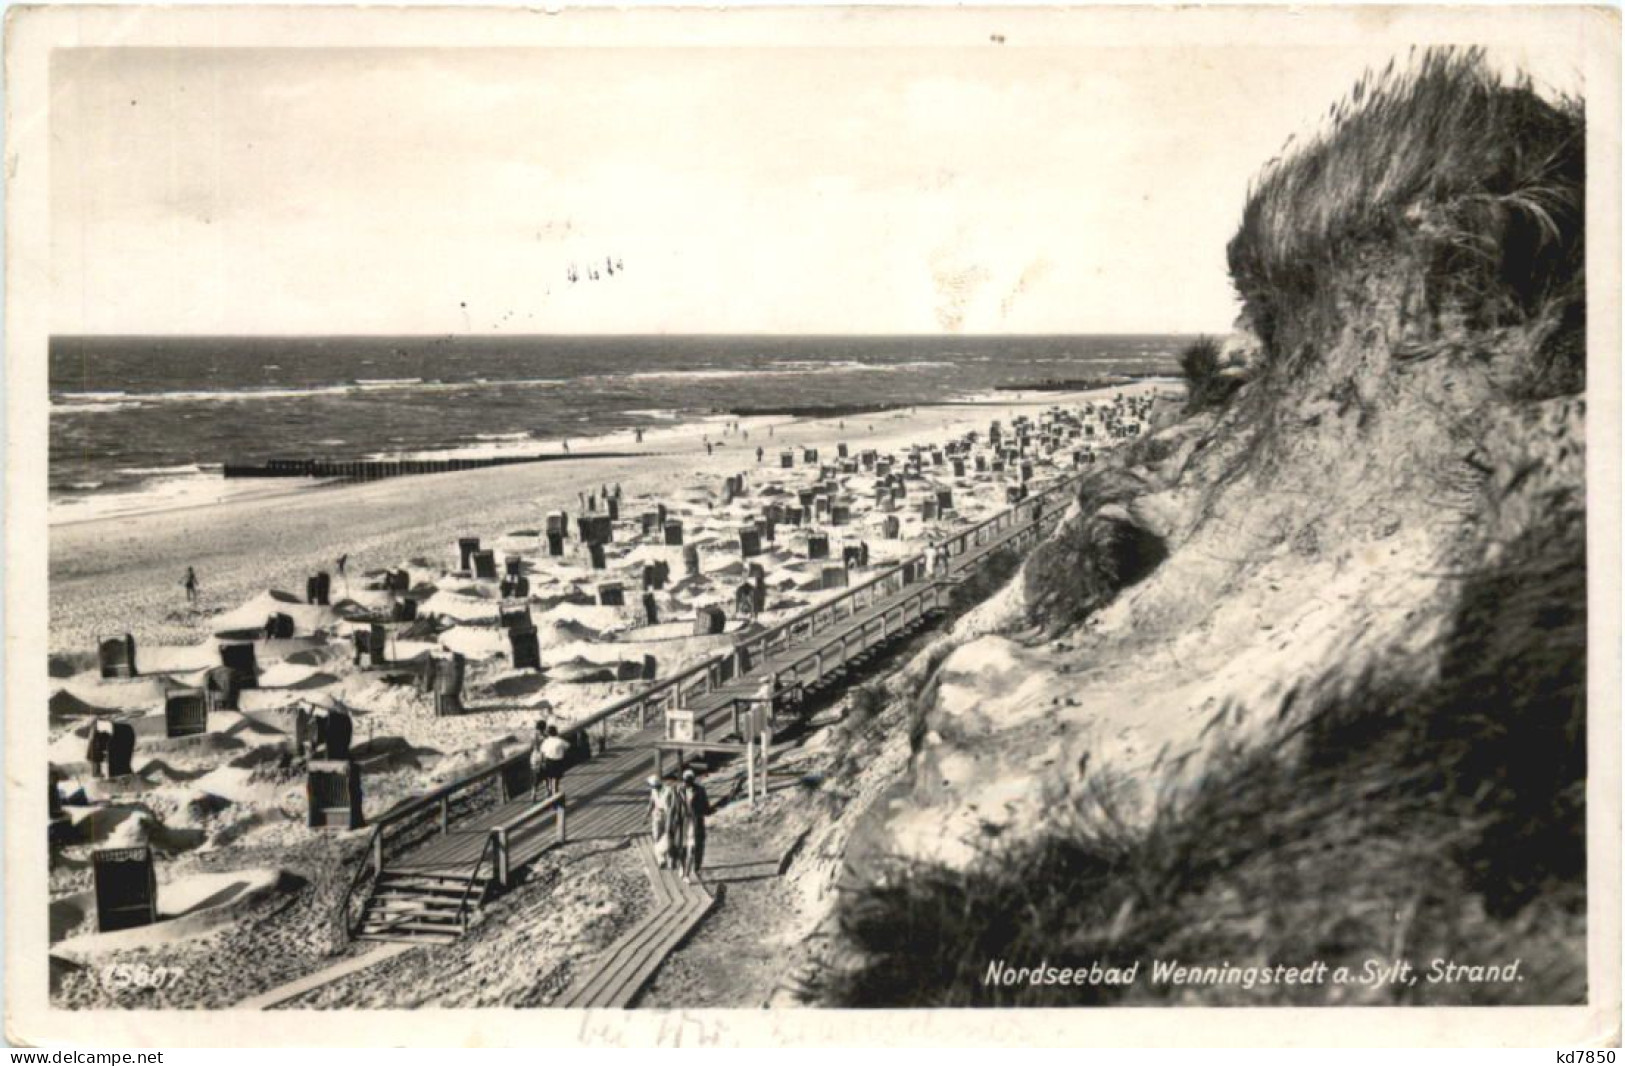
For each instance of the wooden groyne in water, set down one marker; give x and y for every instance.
(376, 469)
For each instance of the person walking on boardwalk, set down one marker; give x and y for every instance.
(538, 762)
(191, 586)
(664, 829)
(657, 819)
(555, 749)
(697, 806)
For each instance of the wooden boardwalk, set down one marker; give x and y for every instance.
(425, 885)
(621, 972)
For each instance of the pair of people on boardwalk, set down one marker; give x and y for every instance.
(548, 753)
(677, 814)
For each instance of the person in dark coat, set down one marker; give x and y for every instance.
(121, 750)
(698, 806)
(101, 738)
(318, 733)
(303, 740)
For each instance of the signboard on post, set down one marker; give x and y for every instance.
(680, 725)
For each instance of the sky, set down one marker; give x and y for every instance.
(820, 190)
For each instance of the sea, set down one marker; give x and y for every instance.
(145, 423)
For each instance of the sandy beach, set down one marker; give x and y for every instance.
(124, 574)
(229, 800)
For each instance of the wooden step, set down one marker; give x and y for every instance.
(429, 906)
(437, 928)
(447, 888)
(451, 892)
(430, 882)
(413, 940)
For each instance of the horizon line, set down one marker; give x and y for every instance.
(628, 336)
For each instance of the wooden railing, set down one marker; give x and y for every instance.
(500, 834)
(467, 901)
(403, 826)
(650, 704)
(391, 829)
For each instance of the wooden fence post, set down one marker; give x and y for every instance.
(502, 856)
(750, 772)
(767, 753)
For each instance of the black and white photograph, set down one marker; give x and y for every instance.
(874, 518)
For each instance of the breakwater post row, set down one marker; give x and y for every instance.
(376, 469)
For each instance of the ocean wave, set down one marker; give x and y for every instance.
(177, 470)
(83, 402)
(780, 368)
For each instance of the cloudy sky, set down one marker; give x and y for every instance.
(898, 190)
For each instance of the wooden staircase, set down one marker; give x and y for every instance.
(421, 908)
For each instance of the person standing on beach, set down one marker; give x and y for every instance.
(191, 586)
(698, 807)
(96, 752)
(339, 565)
(758, 453)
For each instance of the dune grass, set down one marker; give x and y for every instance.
(1488, 176)
(1205, 386)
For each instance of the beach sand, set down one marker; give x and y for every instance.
(124, 574)
(226, 800)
